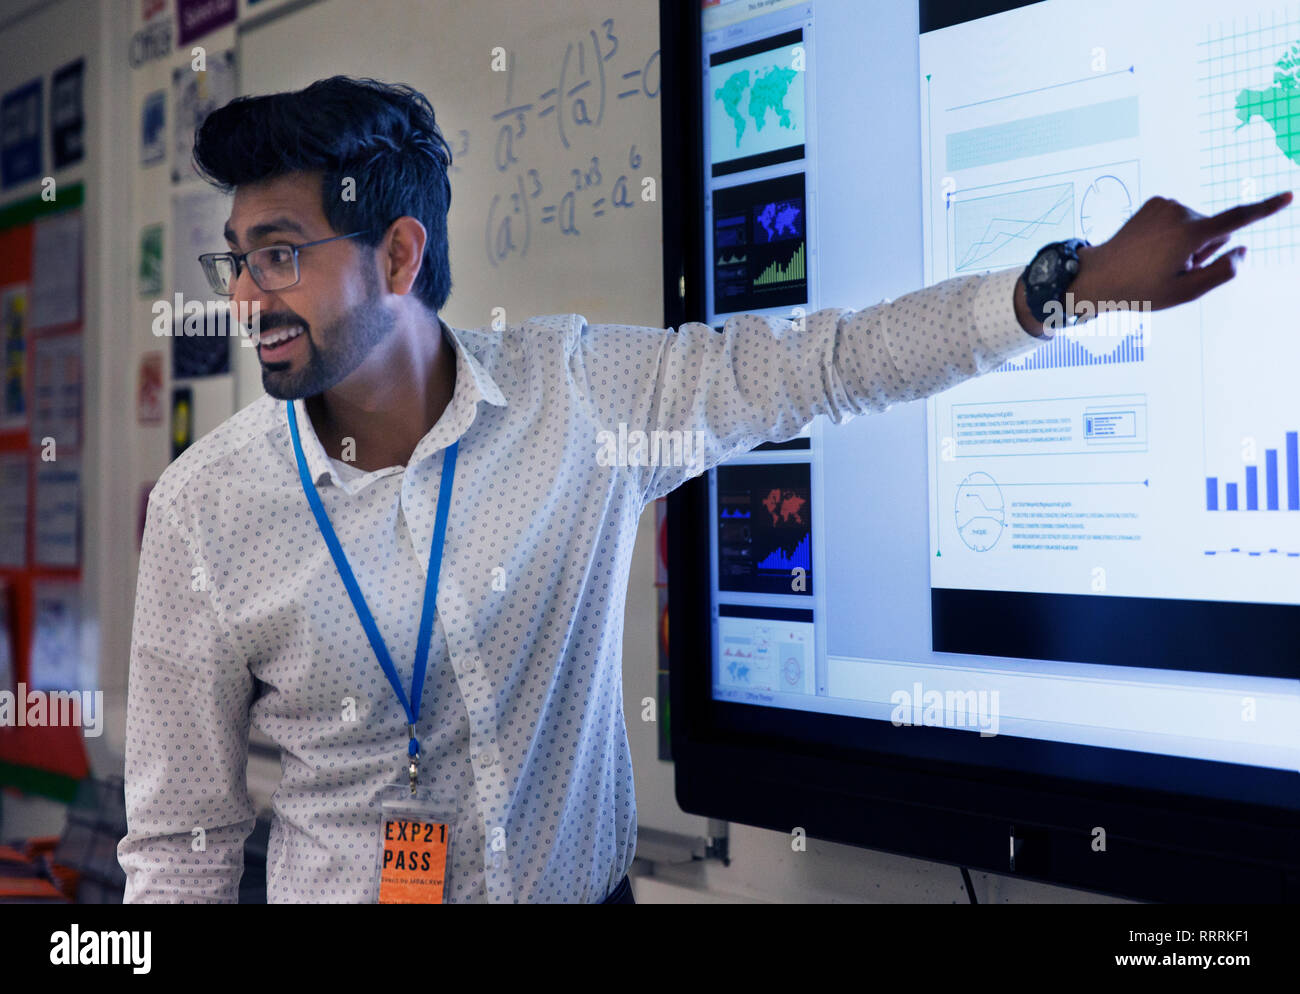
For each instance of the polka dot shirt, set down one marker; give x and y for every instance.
(241, 618)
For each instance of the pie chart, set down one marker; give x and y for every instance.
(1106, 206)
(981, 512)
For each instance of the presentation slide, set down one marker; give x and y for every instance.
(1139, 454)
(1053, 543)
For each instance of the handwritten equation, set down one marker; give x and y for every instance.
(587, 87)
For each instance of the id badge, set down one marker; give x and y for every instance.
(416, 833)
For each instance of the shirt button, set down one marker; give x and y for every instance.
(486, 757)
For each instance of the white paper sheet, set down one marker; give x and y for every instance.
(56, 271)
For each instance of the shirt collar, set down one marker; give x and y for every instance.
(473, 383)
(484, 387)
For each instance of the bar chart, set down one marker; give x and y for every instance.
(1064, 351)
(1244, 495)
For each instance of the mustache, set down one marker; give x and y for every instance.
(281, 319)
(267, 323)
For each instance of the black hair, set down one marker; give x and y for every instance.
(381, 135)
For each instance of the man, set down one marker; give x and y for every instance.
(469, 460)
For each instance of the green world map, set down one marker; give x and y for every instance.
(1278, 105)
(767, 94)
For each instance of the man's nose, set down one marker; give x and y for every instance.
(249, 301)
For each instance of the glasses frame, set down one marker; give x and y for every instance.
(208, 260)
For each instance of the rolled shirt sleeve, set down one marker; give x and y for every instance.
(189, 693)
(764, 378)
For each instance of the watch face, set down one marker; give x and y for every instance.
(1043, 267)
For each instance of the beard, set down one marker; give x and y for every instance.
(352, 336)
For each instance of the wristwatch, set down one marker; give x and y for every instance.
(1049, 276)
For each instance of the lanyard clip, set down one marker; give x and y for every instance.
(413, 769)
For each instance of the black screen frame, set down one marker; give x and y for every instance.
(783, 770)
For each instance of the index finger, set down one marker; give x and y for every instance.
(1242, 215)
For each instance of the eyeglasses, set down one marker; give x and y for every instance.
(273, 267)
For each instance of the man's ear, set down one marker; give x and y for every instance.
(405, 252)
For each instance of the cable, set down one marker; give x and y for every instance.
(970, 890)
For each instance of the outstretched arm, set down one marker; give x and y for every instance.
(764, 378)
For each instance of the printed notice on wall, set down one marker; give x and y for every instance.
(56, 271)
(58, 495)
(56, 637)
(56, 391)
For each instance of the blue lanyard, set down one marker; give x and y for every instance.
(411, 706)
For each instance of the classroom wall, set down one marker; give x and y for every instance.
(36, 39)
(122, 197)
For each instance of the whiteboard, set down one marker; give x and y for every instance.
(552, 114)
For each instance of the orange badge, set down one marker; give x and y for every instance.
(414, 864)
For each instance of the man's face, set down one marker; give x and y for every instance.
(337, 302)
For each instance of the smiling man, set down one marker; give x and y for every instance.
(409, 497)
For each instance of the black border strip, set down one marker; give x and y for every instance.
(936, 14)
(791, 37)
(765, 611)
(792, 154)
(1201, 636)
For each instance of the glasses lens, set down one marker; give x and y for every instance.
(220, 270)
(274, 267)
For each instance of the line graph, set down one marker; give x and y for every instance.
(1006, 229)
(999, 225)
